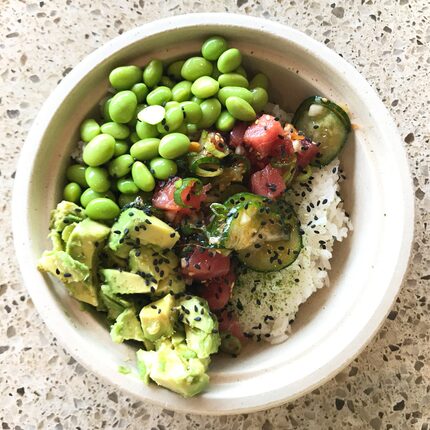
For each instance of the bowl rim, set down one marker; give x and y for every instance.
(51, 314)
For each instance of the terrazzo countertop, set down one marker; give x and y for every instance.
(386, 387)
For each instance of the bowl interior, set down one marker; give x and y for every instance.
(328, 324)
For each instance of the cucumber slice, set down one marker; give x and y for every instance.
(325, 123)
(276, 255)
(245, 219)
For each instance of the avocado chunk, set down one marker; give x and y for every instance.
(72, 273)
(203, 344)
(126, 327)
(194, 312)
(158, 318)
(65, 214)
(168, 368)
(162, 266)
(67, 231)
(113, 304)
(121, 282)
(83, 245)
(134, 228)
(201, 326)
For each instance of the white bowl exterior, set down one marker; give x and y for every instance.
(368, 267)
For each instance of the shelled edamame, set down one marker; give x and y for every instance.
(148, 118)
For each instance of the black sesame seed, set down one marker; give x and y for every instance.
(67, 275)
(57, 271)
(197, 318)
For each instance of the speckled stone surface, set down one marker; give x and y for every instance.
(387, 387)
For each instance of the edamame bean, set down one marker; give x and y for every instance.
(89, 129)
(214, 47)
(171, 104)
(181, 91)
(141, 91)
(196, 100)
(195, 67)
(241, 71)
(173, 119)
(121, 148)
(102, 209)
(153, 73)
(174, 69)
(145, 130)
(122, 107)
(134, 137)
(260, 98)
(163, 169)
(192, 129)
(240, 109)
(225, 121)
(232, 80)
(72, 192)
(145, 149)
(120, 166)
(226, 92)
(167, 82)
(142, 177)
(97, 179)
(124, 77)
(90, 194)
(229, 60)
(76, 173)
(174, 145)
(105, 109)
(159, 96)
(192, 112)
(127, 186)
(211, 109)
(259, 80)
(117, 131)
(99, 150)
(205, 87)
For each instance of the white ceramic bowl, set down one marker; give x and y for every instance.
(336, 323)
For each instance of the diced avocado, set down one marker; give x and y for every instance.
(121, 282)
(65, 234)
(63, 266)
(65, 214)
(134, 228)
(72, 273)
(57, 242)
(203, 344)
(162, 266)
(194, 311)
(126, 327)
(83, 244)
(230, 344)
(168, 368)
(84, 241)
(114, 304)
(158, 318)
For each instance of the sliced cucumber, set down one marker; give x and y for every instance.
(326, 124)
(275, 255)
(245, 219)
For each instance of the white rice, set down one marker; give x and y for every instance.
(267, 303)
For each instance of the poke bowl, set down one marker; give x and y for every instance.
(374, 196)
